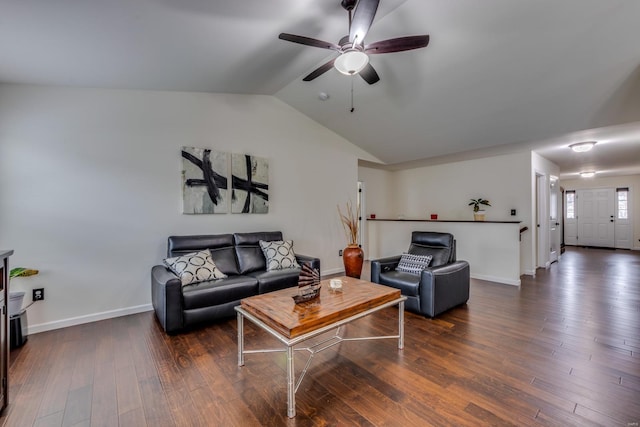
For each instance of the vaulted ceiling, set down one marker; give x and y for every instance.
(498, 76)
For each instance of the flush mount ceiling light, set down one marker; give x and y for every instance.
(590, 174)
(581, 147)
(351, 62)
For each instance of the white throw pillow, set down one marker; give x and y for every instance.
(279, 254)
(194, 267)
(413, 264)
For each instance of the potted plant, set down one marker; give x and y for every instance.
(352, 255)
(22, 272)
(478, 214)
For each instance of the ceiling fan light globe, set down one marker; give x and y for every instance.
(351, 62)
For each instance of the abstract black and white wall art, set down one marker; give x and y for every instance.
(204, 181)
(250, 184)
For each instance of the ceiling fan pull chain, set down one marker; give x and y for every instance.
(352, 107)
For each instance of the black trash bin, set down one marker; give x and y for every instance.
(18, 329)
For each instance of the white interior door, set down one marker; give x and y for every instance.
(554, 224)
(542, 227)
(596, 217)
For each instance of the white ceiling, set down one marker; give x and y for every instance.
(498, 75)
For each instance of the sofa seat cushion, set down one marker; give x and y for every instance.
(409, 284)
(277, 279)
(221, 291)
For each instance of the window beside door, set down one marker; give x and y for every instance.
(623, 203)
(570, 204)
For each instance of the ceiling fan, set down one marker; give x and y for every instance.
(354, 54)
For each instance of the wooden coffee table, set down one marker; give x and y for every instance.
(276, 313)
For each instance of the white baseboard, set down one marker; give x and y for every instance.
(332, 272)
(502, 280)
(95, 317)
(72, 321)
(530, 273)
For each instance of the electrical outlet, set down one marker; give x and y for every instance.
(38, 294)
(340, 252)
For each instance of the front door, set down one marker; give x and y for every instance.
(596, 217)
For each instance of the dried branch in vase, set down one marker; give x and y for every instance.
(350, 223)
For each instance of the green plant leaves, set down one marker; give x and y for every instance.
(22, 272)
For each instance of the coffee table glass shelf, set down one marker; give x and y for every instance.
(292, 324)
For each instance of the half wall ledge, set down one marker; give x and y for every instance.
(492, 248)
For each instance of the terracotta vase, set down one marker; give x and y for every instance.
(353, 257)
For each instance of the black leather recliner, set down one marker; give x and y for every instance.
(441, 286)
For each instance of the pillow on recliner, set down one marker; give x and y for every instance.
(279, 254)
(194, 267)
(413, 264)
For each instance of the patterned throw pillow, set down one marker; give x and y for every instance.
(413, 264)
(194, 267)
(279, 254)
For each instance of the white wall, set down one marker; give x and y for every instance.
(631, 181)
(446, 189)
(90, 187)
(380, 195)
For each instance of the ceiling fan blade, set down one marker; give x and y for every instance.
(368, 73)
(319, 71)
(308, 41)
(362, 19)
(397, 45)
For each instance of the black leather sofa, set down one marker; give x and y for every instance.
(444, 284)
(239, 256)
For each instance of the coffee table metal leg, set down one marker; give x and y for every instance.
(401, 325)
(291, 391)
(240, 339)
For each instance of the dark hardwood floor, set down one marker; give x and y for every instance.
(563, 349)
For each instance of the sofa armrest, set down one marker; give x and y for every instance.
(315, 262)
(166, 297)
(444, 287)
(383, 264)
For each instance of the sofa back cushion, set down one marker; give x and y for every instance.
(220, 245)
(248, 251)
(439, 245)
